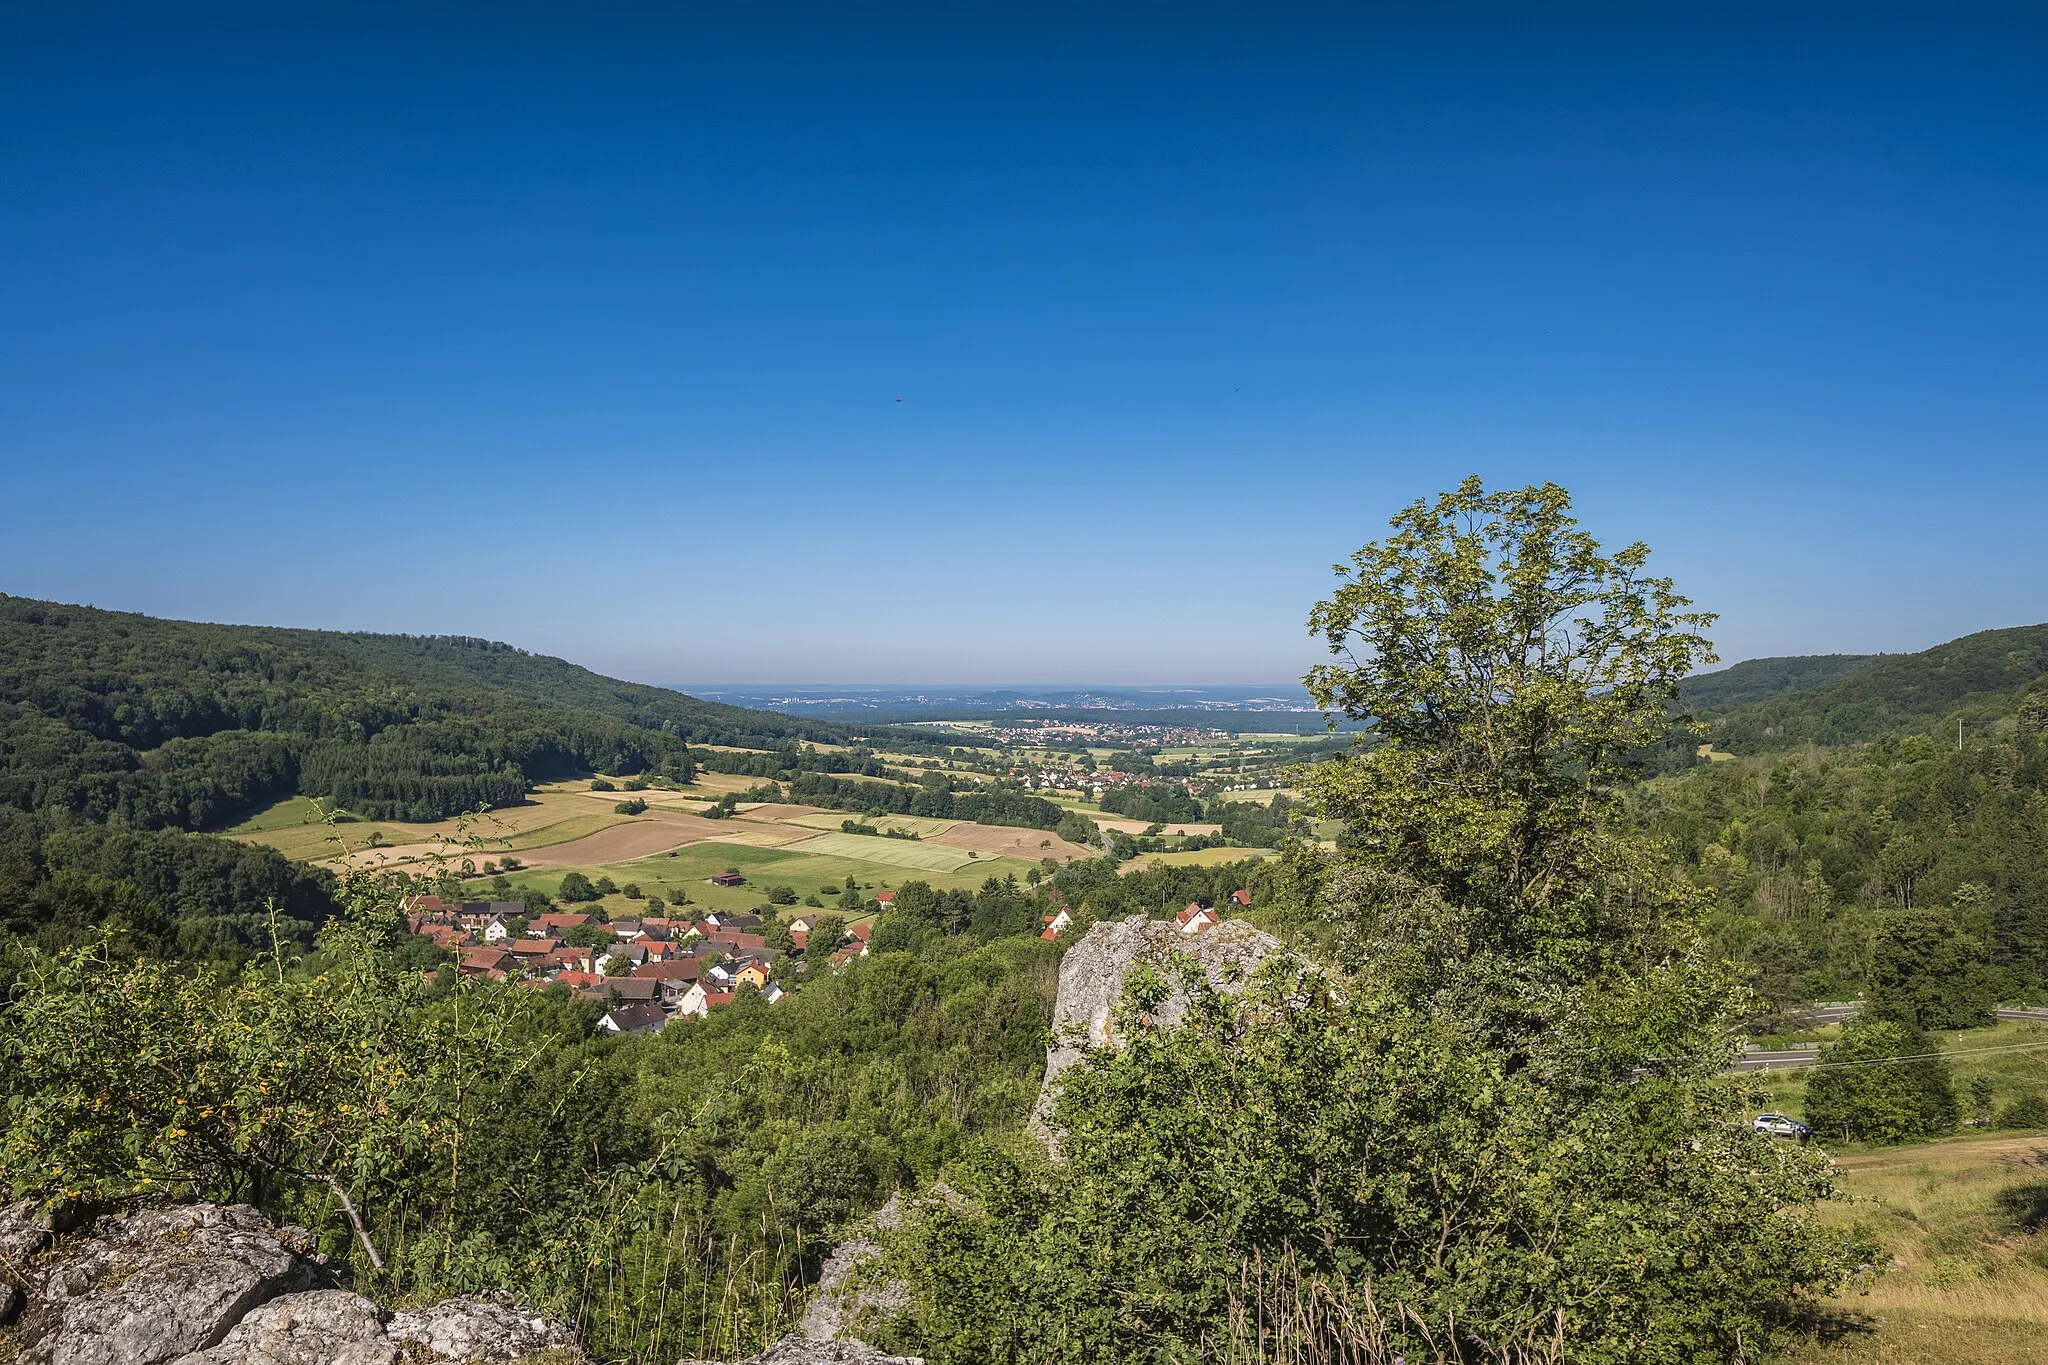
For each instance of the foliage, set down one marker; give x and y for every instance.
(1881, 1082)
(1803, 851)
(1926, 973)
(1502, 1129)
(576, 887)
(636, 806)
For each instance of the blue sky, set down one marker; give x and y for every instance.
(586, 327)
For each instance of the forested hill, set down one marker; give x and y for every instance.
(112, 717)
(1893, 693)
(1753, 680)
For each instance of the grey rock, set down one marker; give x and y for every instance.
(1092, 981)
(199, 1284)
(150, 1287)
(488, 1329)
(24, 1231)
(11, 1301)
(319, 1327)
(839, 1301)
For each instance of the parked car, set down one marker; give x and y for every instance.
(1781, 1125)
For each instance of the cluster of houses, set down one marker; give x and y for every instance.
(1190, 921)
(648, 970)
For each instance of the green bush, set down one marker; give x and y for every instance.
(598, 784)
(576, 887)
(1857, 1093)
(633, 807)
(2028, 1111)
(781, 895)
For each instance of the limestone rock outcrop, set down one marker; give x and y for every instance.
(204, 1284)
(1092, 978)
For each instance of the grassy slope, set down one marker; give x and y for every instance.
(1968, 1279)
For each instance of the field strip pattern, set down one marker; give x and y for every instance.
(891, 852)
(924, 826)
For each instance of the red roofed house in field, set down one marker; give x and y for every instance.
(1196, 918)
(727, 879)
(885, 899)
(1055, 924)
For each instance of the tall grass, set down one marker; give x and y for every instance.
(1282, 1312)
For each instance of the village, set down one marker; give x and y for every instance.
(651, 970)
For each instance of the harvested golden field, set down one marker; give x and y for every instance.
(1966, 1223)
(293, 827)
(1123, 826)
(635, 837)
(1009, 841)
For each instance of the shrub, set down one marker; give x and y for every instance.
(631, 891)
(607, 887)
(636, 784)
(781, 895)
(633, 807)
(598, 784)
(1858, 1092)
(576, 887)
(2028, 1111)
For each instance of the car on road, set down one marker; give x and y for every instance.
(1782, 1125)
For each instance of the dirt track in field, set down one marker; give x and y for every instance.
(1008, 841)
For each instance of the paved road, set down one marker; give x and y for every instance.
(1840, 1011)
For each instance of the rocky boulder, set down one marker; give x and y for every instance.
(1092, 978)
(202, 1284)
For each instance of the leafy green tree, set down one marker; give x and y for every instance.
(827, 933)
(1926, 973)
(1498, 1125)
(1511, 673)
(1882, 1081)
(590, 934)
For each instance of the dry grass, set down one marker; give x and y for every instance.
(1966, 1222)
(293, 827)
(1010, 841)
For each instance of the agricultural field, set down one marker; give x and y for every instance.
(1012, 841)
(680, 877)
(926, 856)
(1196, 857)
(923, 826)
(295, 828)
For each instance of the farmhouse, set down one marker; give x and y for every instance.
(1196, 918)
(727, 879)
